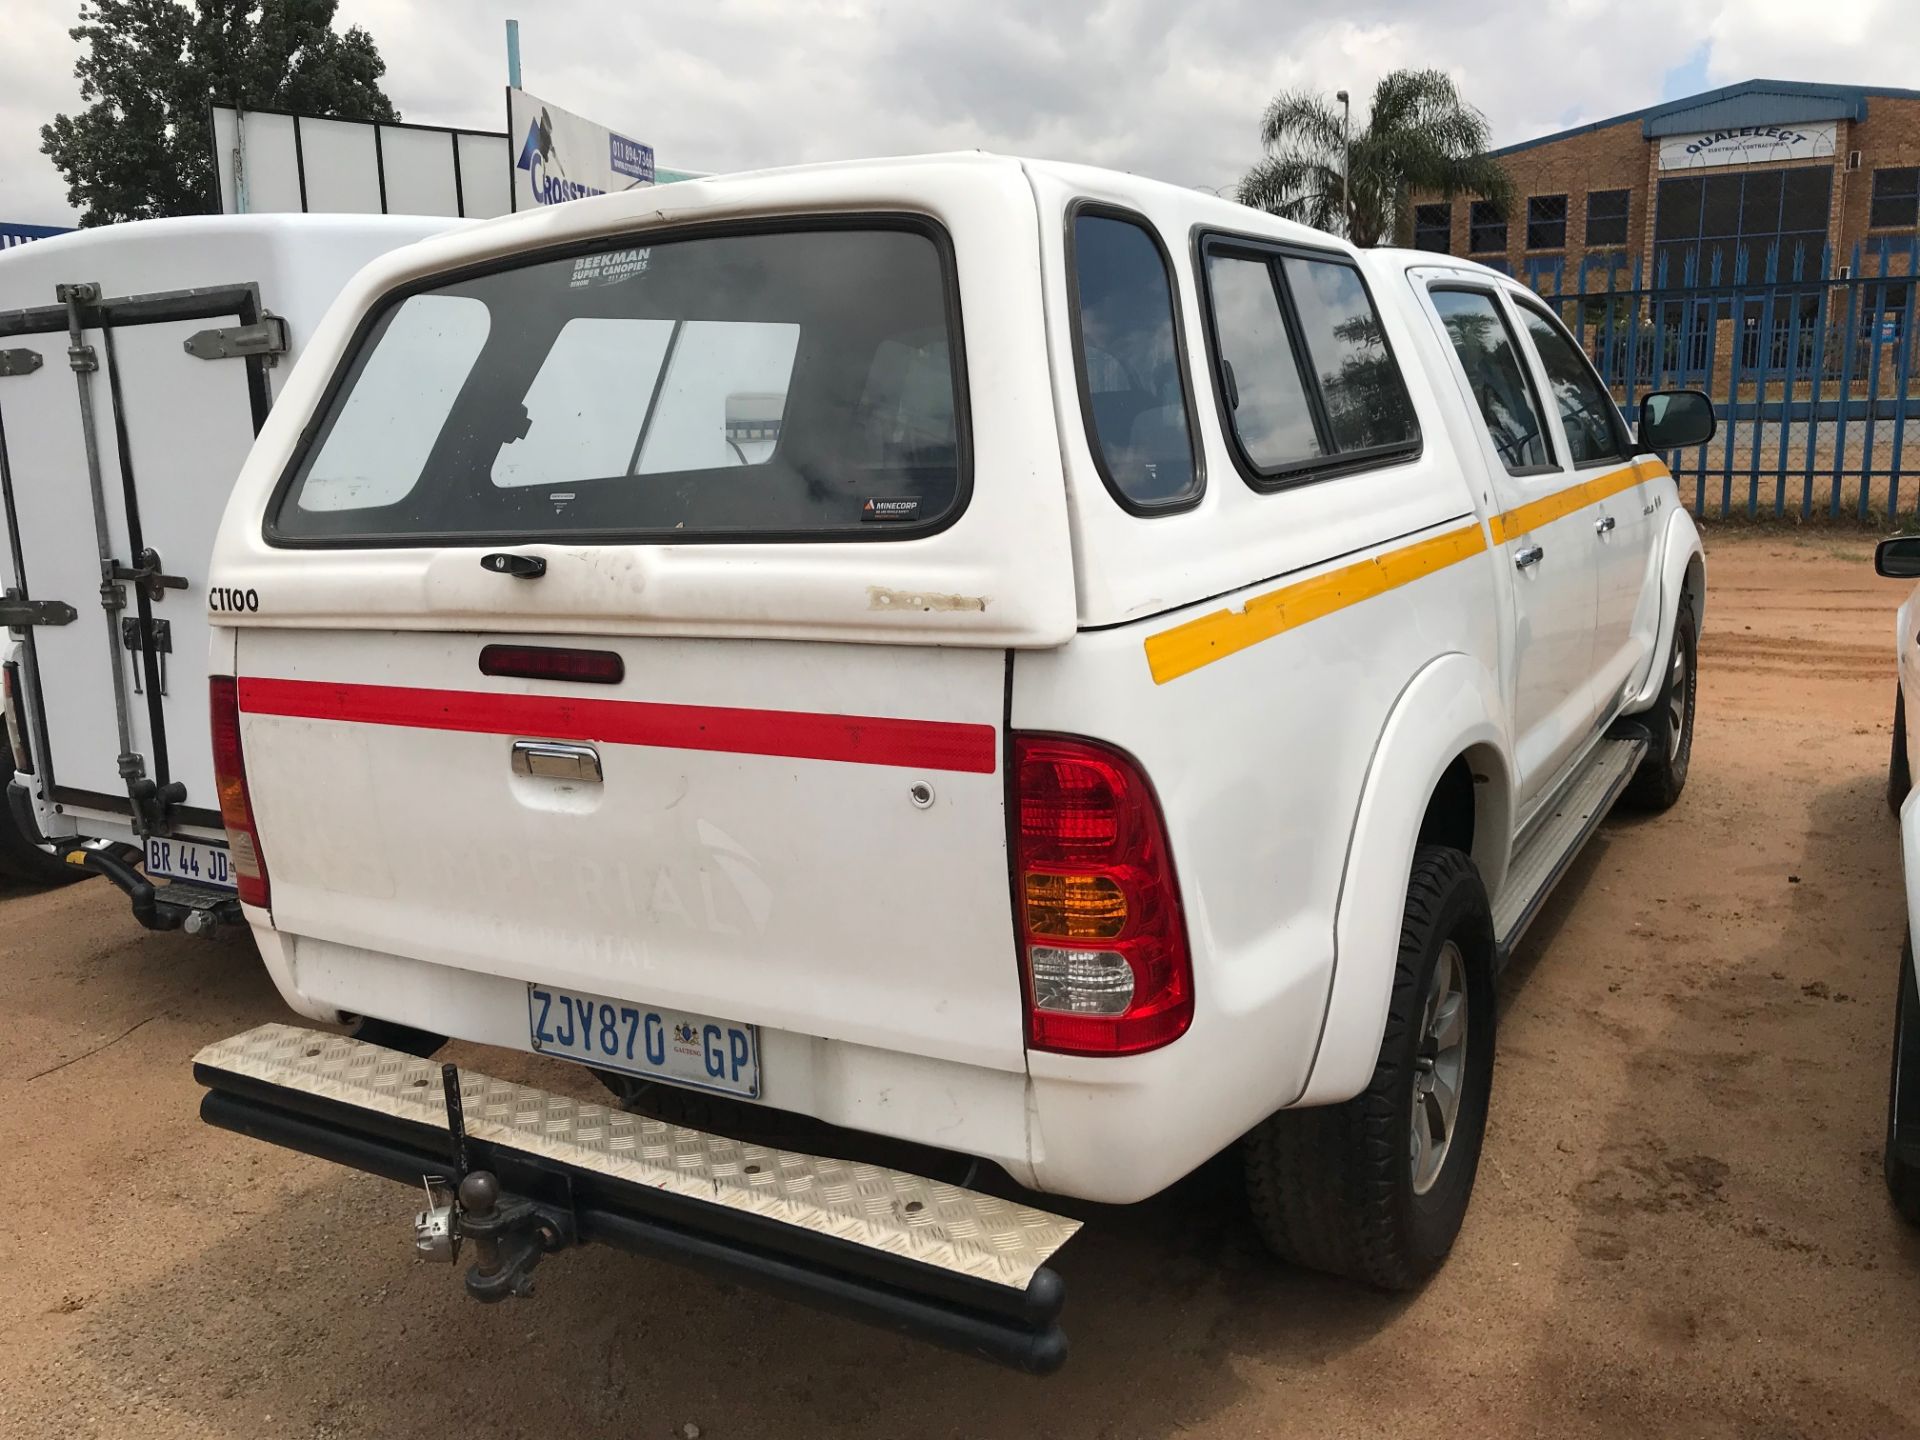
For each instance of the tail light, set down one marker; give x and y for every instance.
(236, 806)
(16, 726)
(1102, 939)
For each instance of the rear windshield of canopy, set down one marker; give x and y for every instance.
(795, 384)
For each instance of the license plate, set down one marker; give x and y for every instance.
(695, 1050)
(189, 860)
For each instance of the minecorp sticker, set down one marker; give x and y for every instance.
(881, 509)
(609, 268)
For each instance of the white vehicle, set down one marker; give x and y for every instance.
(1017, 659)
(1899, 559)
(136, 363)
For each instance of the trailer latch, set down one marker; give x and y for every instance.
(266, 336)
(19, 362)
(18, 612)
(147, 575)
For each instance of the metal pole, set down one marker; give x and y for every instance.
(1346, 163)
(513, 53)
(113, 595)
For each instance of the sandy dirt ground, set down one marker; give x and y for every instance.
(1679, 1227)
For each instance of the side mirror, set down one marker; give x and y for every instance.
(1675, 419)
(1898, 558)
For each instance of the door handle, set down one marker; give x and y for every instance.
(552, 760)
(1532, 555)
(1604, 524)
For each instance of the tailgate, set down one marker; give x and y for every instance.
(810, 837)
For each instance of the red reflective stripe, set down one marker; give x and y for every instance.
(798, 734)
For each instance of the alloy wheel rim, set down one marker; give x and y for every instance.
(1439, 1067)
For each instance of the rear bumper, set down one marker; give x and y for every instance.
(952, 1266)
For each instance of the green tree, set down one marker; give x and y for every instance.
(148, 70)
(1419, 137)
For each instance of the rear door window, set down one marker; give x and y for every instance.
(1498, 381)
(801, 384)
(1130, 363)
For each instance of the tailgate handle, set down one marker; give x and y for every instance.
(554, 760)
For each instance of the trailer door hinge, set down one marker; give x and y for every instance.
(266, 337)
(19, 362)
(19, 612)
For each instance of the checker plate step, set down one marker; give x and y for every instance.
(983, 1236)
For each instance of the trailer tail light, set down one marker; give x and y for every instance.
(16, 724)
(1102, 939)
(236, 806)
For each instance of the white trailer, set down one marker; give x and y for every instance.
(137, 362)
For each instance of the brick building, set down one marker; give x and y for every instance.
(1770, 179)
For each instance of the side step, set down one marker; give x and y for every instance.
(960, 1268)
(1560, 833)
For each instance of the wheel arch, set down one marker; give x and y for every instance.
(1447, 721)
(1683, 576)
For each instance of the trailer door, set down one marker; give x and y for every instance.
(170, 390)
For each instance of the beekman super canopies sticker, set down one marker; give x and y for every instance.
(877, 509)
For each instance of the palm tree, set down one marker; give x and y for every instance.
(1421, 137)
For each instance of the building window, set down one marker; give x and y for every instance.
(1486, 228)
(1607, 217)
(1546, 222)
(1433, 228)
(1742, 229)
(1896, 199)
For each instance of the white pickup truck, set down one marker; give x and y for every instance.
(1055, 669)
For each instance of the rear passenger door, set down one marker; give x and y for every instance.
(1549, 556)
(1615, 504)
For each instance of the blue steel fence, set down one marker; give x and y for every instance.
(1812, 368)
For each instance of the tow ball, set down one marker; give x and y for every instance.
(510, 1234)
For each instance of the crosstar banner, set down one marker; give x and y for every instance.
(1748, 145)
(559, 156)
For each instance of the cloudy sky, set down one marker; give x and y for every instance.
(1170, 88)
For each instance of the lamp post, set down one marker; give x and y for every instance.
(1346, 161)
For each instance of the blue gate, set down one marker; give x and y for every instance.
(1812, 370)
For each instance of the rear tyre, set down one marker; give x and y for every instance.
(1899, 776)
(1375, 1189)
(24, 856)
(1663, 773)
(1902, 1160)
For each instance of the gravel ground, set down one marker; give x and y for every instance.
(1679, 1227)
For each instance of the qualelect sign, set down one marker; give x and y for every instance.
(1748, 145)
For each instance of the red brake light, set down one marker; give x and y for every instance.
(1103, 943)
(552, 662)
(236, 805)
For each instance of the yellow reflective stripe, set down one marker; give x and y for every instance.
(1199, 642)
(1188, 646)
(1562, 503)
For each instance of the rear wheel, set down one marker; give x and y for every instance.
(24, 856)
(1376, 1188)
(1899, 776)
(1663, 773)
(1902, 1156)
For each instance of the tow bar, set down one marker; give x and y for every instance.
(510, 1234)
